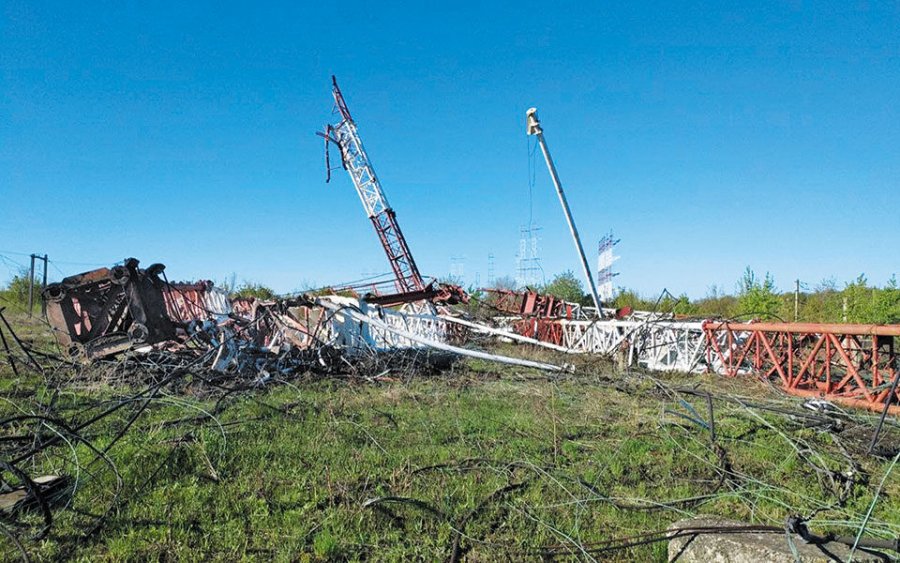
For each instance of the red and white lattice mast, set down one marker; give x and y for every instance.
(355, 160)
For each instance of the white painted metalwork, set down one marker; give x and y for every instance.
(361, 172)
(377, 325)
(660, 345)
(342, 328)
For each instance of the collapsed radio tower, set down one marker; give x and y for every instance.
(356, 162)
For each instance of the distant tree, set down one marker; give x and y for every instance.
(253, 289)
(665, 303)
(860, 301)
(757, 298)
(16, 290)
(716, 304)
(503, 282)
(823, 304)
(681, 305)
(568, 288)
(869, 304)
(629, 298)
(887, 304)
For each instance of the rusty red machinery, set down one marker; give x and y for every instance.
(110, 310)
(853, 364)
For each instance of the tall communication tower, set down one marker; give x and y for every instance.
(529, 272)
(490, 271)
(604, 267)
(458, 268)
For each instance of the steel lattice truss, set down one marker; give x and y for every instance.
(655, 344)
(356, 162)
(847, 363)
(851, 363)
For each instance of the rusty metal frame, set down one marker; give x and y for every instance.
(108, 310)
(848, 363)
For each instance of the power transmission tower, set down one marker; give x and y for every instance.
(528, 260)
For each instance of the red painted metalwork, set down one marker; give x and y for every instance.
(849, 363)
(530, 304)
(355, 160)
(545, 330)
(187, 301)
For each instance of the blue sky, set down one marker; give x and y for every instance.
(708, 137)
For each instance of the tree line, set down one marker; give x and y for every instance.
(756, 297)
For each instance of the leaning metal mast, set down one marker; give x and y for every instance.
(534, 128)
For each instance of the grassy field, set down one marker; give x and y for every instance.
(478, 463)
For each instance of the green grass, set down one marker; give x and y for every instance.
(500, 461)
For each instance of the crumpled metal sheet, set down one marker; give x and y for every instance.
(187, 302)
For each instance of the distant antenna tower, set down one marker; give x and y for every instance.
(490, 272)
(458, 268)
(529, 272)
(604, 267)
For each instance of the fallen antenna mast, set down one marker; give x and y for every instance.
(534, 128)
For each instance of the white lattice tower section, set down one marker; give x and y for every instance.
(357, 163)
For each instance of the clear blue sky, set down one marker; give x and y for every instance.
(708, 137)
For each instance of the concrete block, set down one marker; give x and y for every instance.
(753, 547)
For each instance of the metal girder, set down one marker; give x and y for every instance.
(656, 344)
(851, 363)
(531, 303)
(187, 302)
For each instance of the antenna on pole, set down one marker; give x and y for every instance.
(534, 128)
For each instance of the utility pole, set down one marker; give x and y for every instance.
(534, 128)
(797, 300)
(44, 286)
(31, 286)
(31, 283)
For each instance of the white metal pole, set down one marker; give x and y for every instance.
(534, 128)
